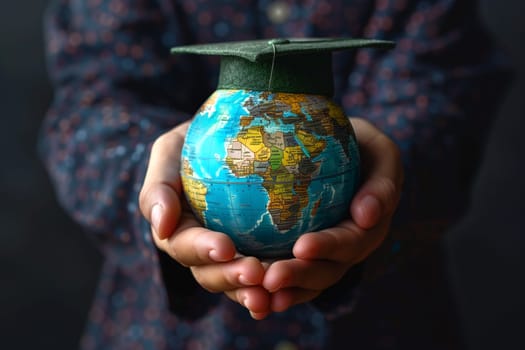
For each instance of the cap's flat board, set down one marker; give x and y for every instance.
(258, 50)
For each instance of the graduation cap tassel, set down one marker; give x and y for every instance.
(271, 42)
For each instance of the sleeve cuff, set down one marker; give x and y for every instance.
(186, 298)
(341, 298)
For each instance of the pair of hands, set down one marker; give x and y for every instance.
(320, 258)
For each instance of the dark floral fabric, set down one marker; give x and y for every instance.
(117, 88)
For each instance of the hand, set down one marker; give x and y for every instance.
(322, 258)
(211, 256)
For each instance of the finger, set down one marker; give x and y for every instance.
(382, 172)
(305, 274)
(159, 198)
(255, 299)
(283, 299)
(259, 315)
(228, 276)
(161, 206)
(345, 243)
(193, 245)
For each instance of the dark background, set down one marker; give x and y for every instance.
(48, 268)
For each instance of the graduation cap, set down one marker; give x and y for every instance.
(280, 65)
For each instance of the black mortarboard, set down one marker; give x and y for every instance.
(279, 65)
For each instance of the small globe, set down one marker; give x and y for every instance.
(265, 167)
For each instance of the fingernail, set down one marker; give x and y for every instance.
(156, 214)
(244, 281)
(243, 300)
(214, 255)
(372, 206)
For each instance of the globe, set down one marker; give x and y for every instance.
(265, 168)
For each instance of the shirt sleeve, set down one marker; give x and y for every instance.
(435, 95)
(116, 90)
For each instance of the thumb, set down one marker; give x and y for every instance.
(160, 204)
(160, 196)
(382, 170)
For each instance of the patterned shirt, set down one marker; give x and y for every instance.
(117, 88)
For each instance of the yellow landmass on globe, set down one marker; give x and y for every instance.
(196, 195)
(313, 145)
(263, 155)
(292, 155)
(284, 178)
(195, 191)
(252, 138)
